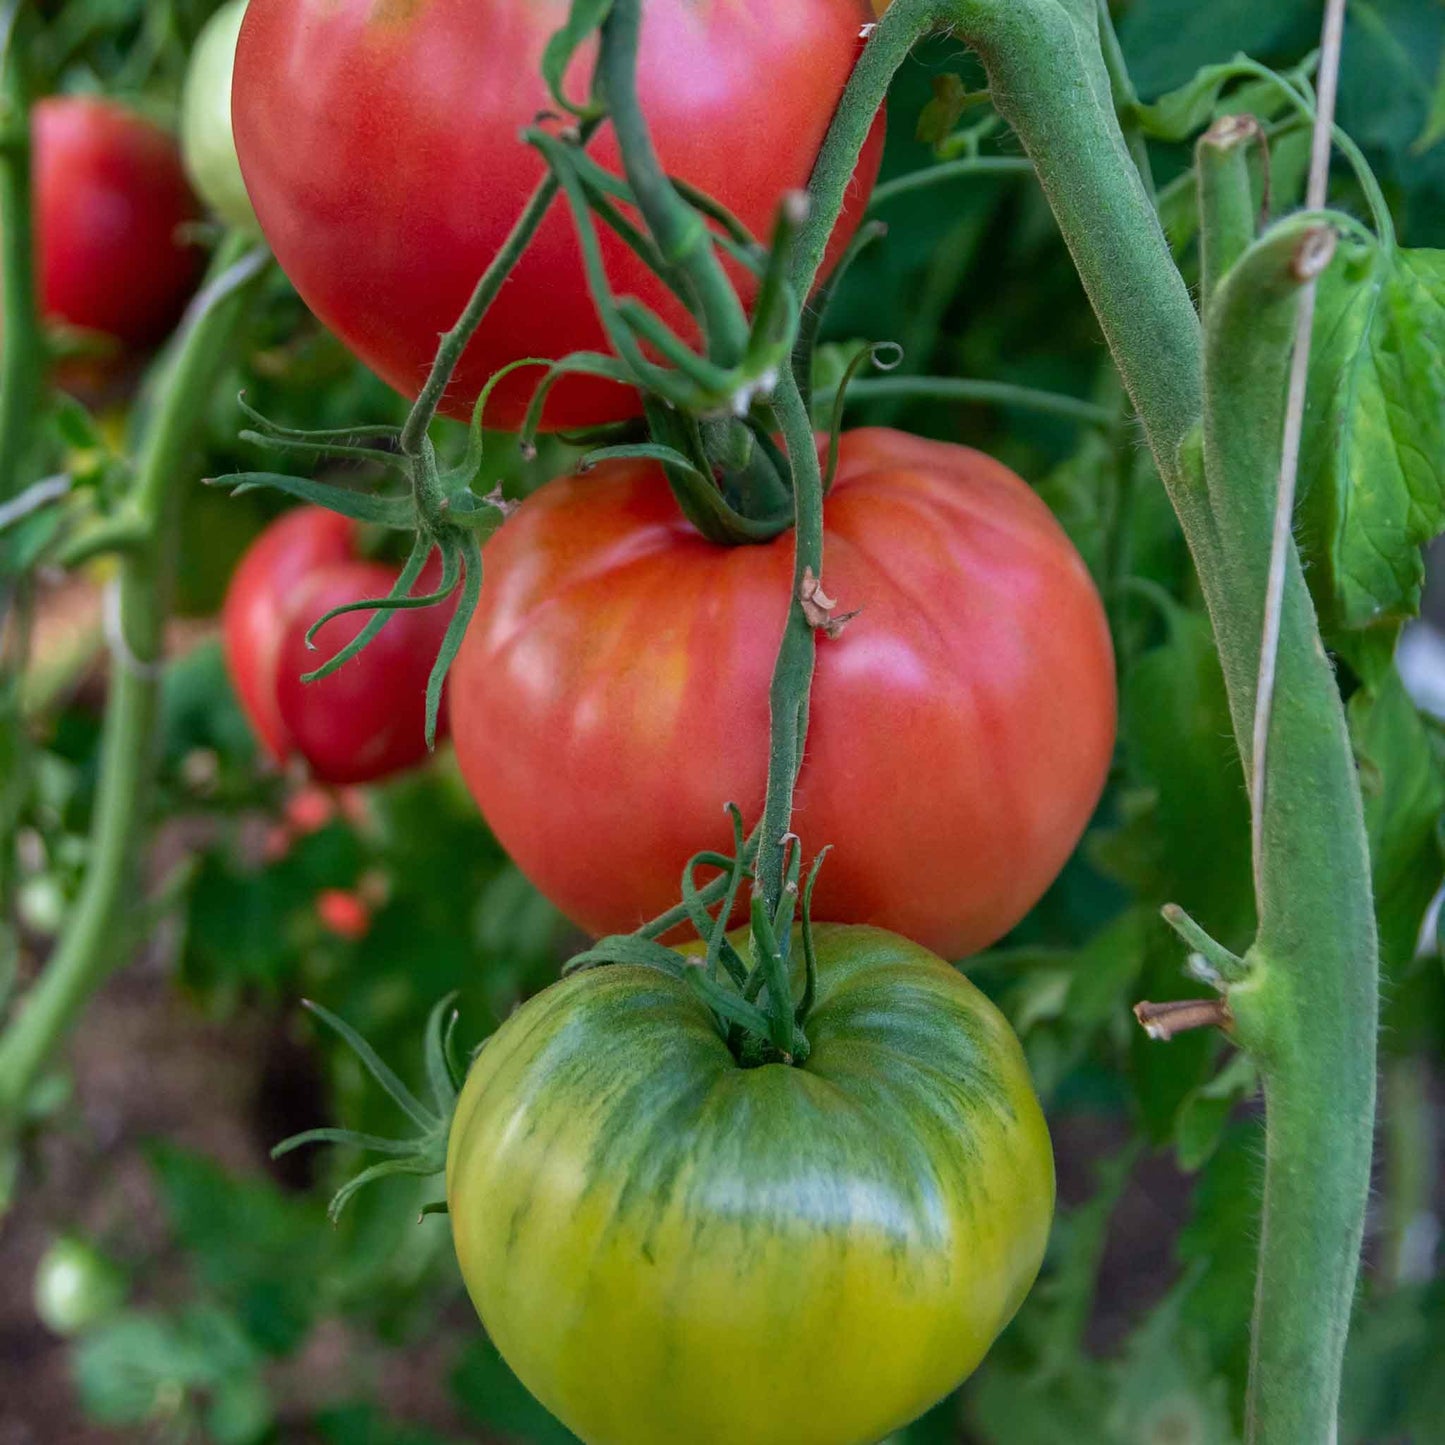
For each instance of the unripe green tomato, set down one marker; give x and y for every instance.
(206, 143)
(668, 1246)
(76, 1286)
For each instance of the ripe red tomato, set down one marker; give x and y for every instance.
(367, 719)
(379, 144)
(110, 199)
(612, 694)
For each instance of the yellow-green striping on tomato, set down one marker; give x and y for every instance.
(667, 1246)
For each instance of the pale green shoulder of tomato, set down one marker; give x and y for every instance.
(667, 1246)
(206, 142)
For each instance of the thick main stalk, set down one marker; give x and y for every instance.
(1309, 1010)
(94, 942)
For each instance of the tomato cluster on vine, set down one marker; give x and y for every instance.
(726, 1154)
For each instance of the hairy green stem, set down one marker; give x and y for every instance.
(1308, 1010)
(793, 672)
(679, 229)
(958, 388)
(1126, 98)
(92, 945)
(22, 343)
(1228, 220)
(967, 166)
(22, 367)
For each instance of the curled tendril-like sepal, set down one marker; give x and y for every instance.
(424, 1153)
(395, 513)
(869, 351)
(631, 950)
(397, 600)
(471, 589)
(811, 322)
(584, 19)
(462, 475)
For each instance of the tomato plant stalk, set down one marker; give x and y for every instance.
(93, 941)
(1307, 1006)
(22, 365)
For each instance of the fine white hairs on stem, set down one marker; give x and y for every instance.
(1309, 265)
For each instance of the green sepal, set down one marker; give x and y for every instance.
(396, 513)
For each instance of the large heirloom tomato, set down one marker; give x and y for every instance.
(368, 718)
(666, 1246)
(379, 142)
(612, 693)
(111, 199)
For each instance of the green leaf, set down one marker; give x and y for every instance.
(584, 19)
(146, 1368)
(1203, 1116)
(1168, 1389)
(1391, 58)
(1177, 115)
(1219, 1247)
(1165, 41)
(1434, 131)
(365, 1425)
(1374, 446)
(260, 1251)
(1404, 793)
(1188, 831)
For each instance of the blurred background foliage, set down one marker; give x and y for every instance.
(191, 1290)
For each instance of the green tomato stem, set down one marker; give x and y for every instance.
(793, 672)
(957, 388)
(1308, 1009)
(947, 171)
(1126, 98)
(22, 342)
(22, 368)
(1228, 218)
(679, 229)
(90, 947)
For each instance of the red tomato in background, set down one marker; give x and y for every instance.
(379, 144)
(110, 199)
(343, 913)
(368, 719)
(612, 694)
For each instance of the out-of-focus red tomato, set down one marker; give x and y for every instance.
(111, 199)
(365, 721)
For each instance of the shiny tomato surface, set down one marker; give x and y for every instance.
(365, 721)
(379, 143)
(612, 693)
(111, 199)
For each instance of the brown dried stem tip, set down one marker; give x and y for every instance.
(818, 607)
(1177, 1016)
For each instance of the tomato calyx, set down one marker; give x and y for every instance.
(748, 990)
(443, 513)
(425, 1152)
